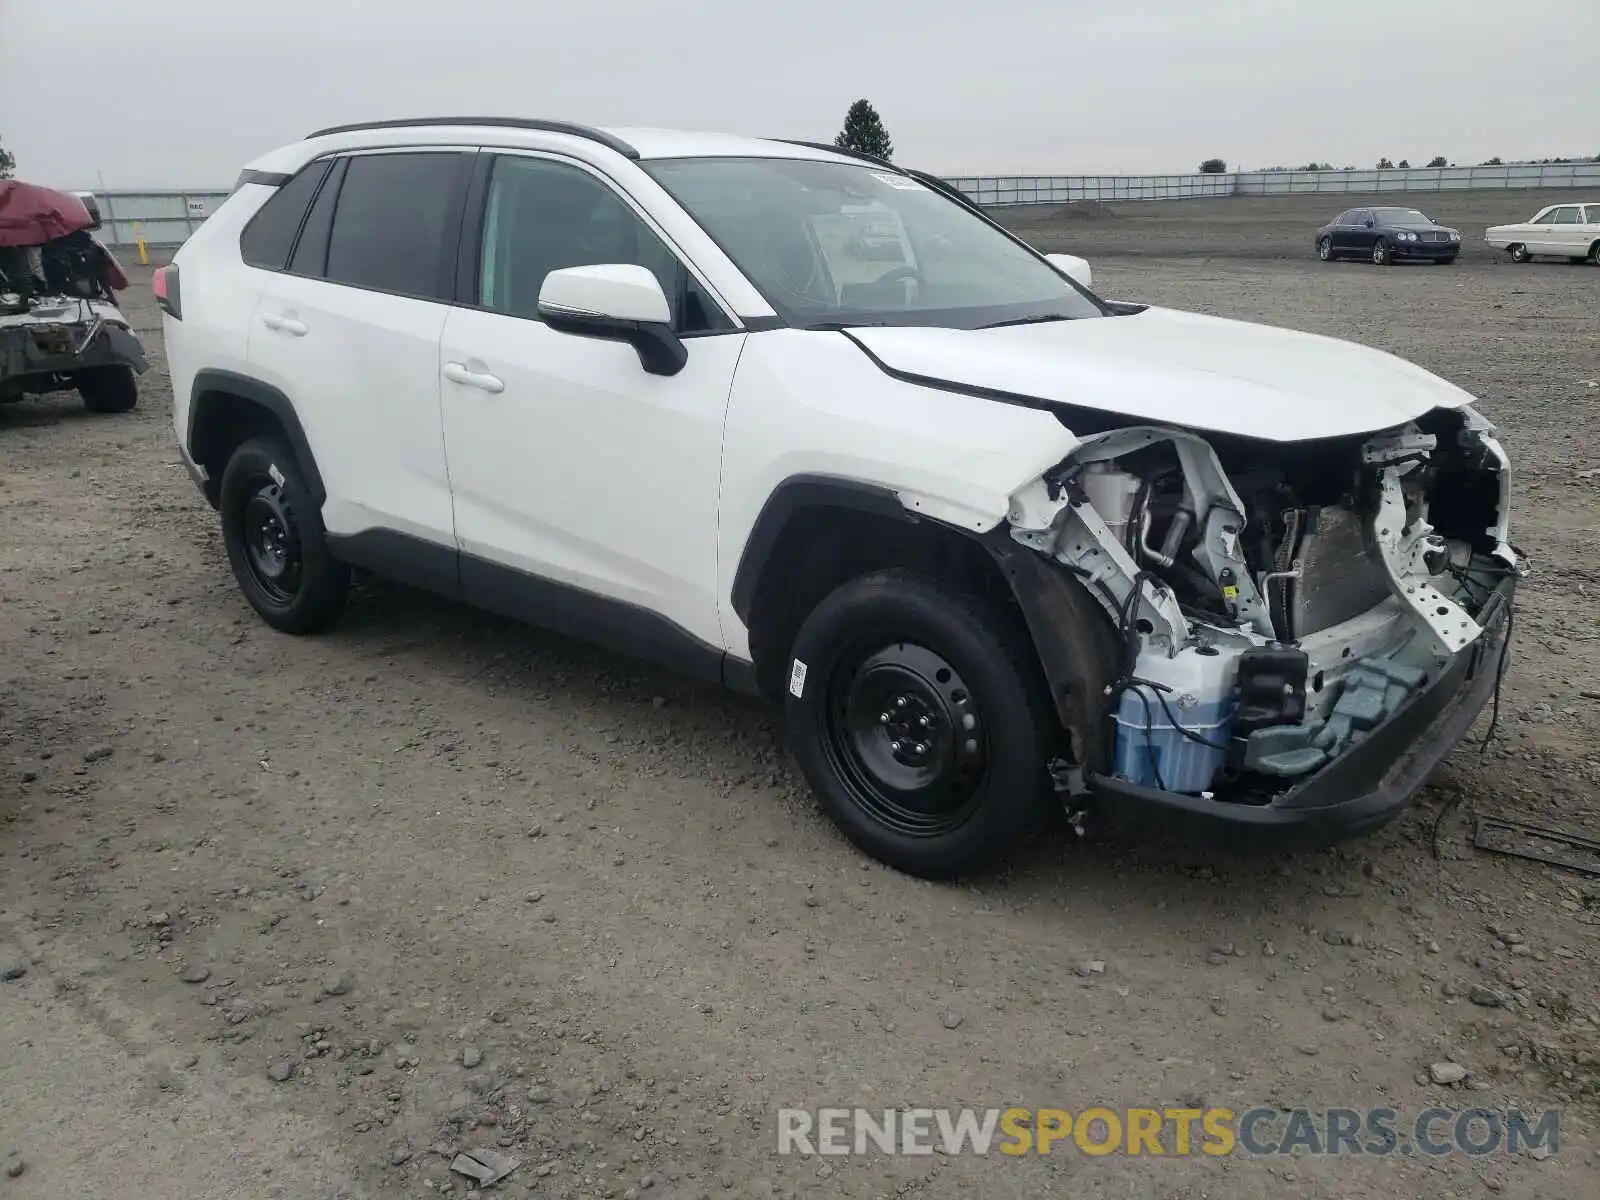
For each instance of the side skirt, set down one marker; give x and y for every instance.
(615, 625)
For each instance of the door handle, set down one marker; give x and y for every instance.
(284, 324)
(457, 372)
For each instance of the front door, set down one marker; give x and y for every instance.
(574, 471)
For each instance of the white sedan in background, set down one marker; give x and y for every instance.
(1568, 230)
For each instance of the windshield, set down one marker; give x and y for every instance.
(836, 244)
(1402, 216)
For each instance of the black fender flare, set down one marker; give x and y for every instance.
(794, 495)
(213, 383)
(1077, 650)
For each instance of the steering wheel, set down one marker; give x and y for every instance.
(904, 271)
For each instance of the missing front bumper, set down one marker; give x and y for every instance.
(1362, 789)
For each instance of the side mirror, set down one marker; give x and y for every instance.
(1370, 224)
(1072, 267)
(619, 302)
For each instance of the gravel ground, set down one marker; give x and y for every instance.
(300, 918)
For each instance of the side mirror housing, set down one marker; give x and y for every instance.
(618, 302)
(1072, 267)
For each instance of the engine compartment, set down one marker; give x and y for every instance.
(1275, 603)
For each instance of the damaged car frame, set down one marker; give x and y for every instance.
(60, 326)
(994, 542)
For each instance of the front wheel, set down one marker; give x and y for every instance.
(1380, 253)
(920, 718)
(1519, 252)
(1325, 249)
(108, 389)
(276, 542)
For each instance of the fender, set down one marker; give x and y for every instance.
(792, 496)
(211, 386)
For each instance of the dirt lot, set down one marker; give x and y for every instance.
(299, 918)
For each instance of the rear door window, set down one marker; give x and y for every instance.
(396, 222)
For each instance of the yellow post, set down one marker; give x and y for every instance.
(138, 240)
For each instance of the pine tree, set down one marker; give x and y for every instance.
(864, 133)
(8, 163)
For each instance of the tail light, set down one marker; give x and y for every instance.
(165, 286)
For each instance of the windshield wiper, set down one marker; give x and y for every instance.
(1039, 320)
(841, 326)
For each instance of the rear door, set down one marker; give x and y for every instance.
(350, 333)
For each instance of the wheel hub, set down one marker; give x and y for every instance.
(270, 542)
(909, 738)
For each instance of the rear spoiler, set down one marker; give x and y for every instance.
(270, 179)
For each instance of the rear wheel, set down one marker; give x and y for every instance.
(276, 542)
(1594, 254)
(921, 722)
(1380, 253)
(1325, 249)
(108, 389)
(1519, 252)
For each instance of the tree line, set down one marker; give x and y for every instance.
(1217, 166)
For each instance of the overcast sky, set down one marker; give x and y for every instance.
(175, 93)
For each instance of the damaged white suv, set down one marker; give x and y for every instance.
(814, 427)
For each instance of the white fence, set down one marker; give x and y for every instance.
(1002, 190)
(164, 219)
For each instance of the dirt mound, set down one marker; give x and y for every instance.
(1084, 210)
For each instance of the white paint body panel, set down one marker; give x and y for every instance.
(1169, 367)
(807, 403)
(364, 379)
(586, 470)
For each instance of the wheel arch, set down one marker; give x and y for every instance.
(796, 555)
(226, 409)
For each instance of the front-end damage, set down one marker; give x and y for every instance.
(1302, 629)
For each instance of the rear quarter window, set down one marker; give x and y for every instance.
(268, 237)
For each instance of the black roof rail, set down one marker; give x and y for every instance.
(568, 127)
(831, 149)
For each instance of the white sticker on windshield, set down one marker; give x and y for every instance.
(900, 183)
(797, 679)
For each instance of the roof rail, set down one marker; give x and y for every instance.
(871, 158)
(568, 127)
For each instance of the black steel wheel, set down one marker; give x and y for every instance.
(275, 540)
(905, 736)
(919, 715)
(272, 550)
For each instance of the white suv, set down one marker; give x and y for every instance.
(813, 426)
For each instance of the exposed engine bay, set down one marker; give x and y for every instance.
(1275, 602)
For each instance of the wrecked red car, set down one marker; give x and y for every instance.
(60, 327)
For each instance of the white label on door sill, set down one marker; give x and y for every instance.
(797, 679)
(277, 475)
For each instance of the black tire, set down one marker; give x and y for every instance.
(276, 542)
(1381, 255)
(108, 389)
(1325, 249)
(966, 667)
(1594, 254)
(1519, 252)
